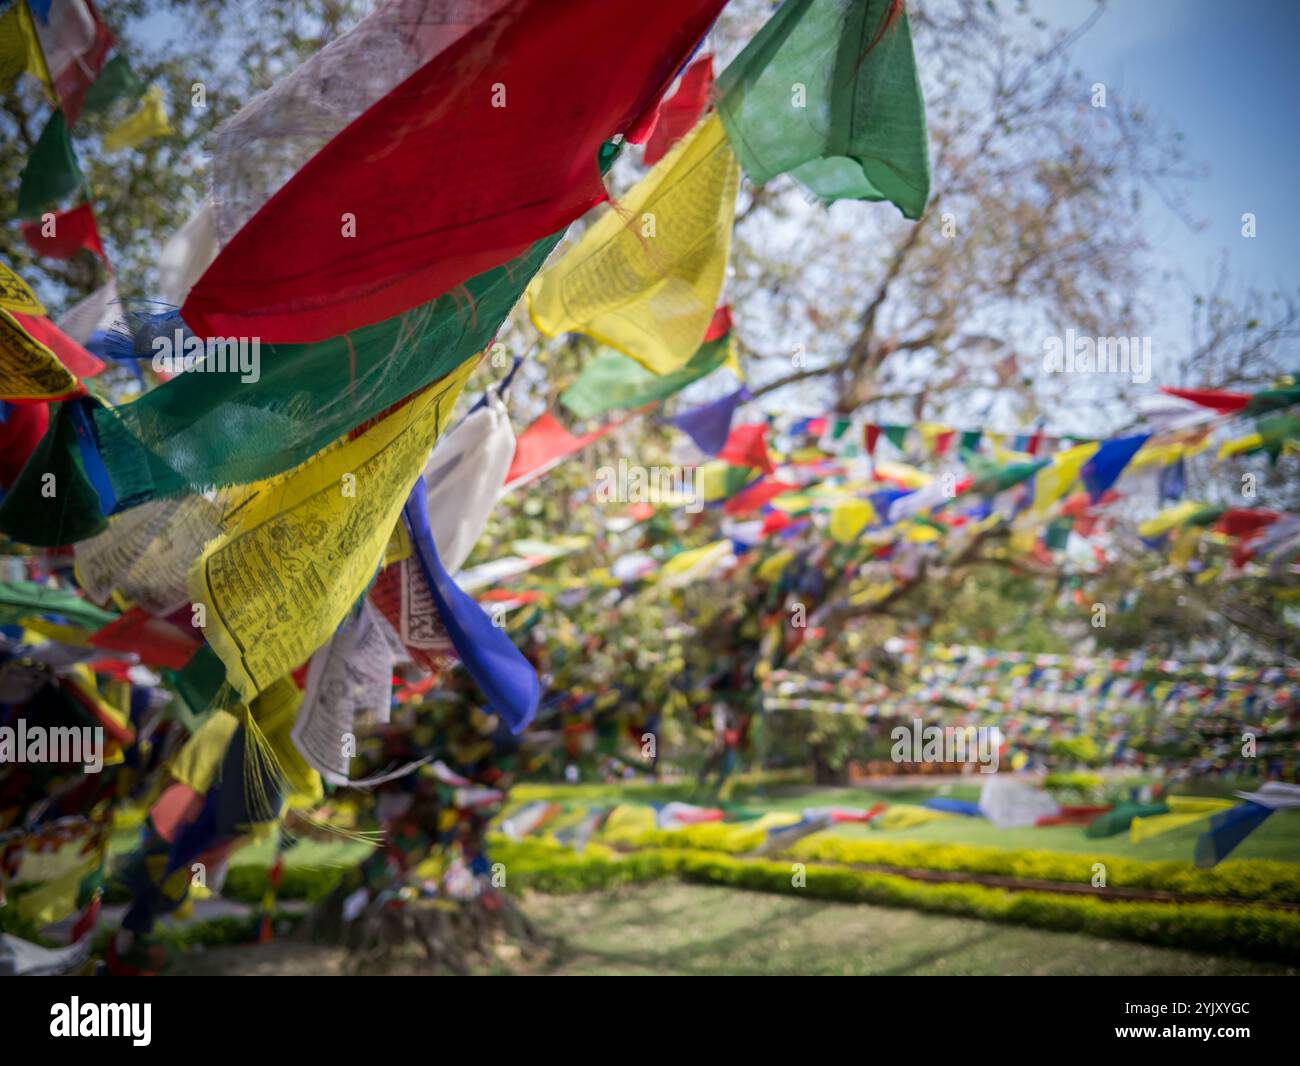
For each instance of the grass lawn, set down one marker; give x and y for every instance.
(671, 928)
(1277, 839)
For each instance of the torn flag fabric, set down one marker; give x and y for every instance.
(257, 150)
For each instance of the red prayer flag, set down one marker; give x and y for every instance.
(21, 428)
(680, 111)
(872, 435)
(73, 230)
(1244, 522)
(157, 642)
(755, 496)
(487, 148)
(719, 324)
(747, 446)
(543, 444)
(1223, 402)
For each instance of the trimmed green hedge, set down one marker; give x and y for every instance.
(1248, 879)
(1256, 931)
(248, 884)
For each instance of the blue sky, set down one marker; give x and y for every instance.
(1224, 72)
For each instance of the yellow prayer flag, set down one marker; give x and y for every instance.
(57, 898)
(1247, 443)
(1183, 810)
(907, 476)
(688, 566)
(1055, 479)
(28, 369)
(770, 568)
(20, 49)
(399, 545)
(197, 763)
(645, 277)
(301, 547)
(1169, 518)
(849, 518)
(1185, 547)
(145, 122)
(16, 295)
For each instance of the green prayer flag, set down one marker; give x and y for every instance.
(1057, 534)
(23, 599)
(990, 479)
(1117, 821)
(52, 174)
(61, 509)
(207, 429)
(201, 683)
(896, 435)
(613, 380)
(970, 442)
(116, 81)
(829, 93)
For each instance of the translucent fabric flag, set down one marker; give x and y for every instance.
(74, 44)
(202, 430)
(256, 151)
(349, 677)
(463, 479)
(1183, 811)
(187, 254)
(612, 380)
(1228, 829)
(1103, 469)
(146, 553)
(19, 50)
(645, 278)
(149, 120)
(52, 173)
(361, 233)
(298, 551)
(96, 313)
(71, 354)
(827, 91)
(747, 446)
(679, 113)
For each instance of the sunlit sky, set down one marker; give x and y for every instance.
(1226, 75)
